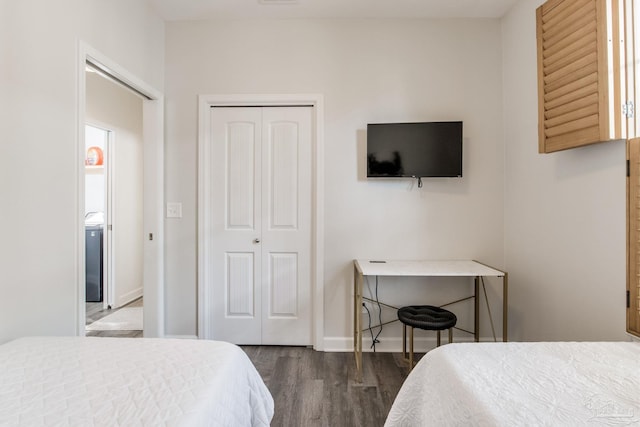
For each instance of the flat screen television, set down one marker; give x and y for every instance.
(416, 150)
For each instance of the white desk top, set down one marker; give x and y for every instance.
(459, 268)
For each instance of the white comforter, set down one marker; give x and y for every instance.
(522, 384)
(75, 381)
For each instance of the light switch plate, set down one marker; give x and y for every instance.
(174, 210)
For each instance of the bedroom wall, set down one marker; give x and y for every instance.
(564, 214)
(38, 154)
(368, 71)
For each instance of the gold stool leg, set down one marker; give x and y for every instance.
(411, 348)
(438, 342)
(450, 335)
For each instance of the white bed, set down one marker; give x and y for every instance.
(522, 384)
(73, 381)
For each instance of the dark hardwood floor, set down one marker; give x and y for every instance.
(313, 388)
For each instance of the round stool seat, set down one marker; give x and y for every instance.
(427, 317)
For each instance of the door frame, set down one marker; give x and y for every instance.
(205, 103)
(153, 218)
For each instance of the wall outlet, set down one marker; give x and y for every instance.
(174, 210)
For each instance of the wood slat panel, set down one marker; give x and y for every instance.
(573, 70)
(580, 113)
(576, 24)
(541, 84)
(551, 7)
(557, 16)
(576, 85)
(575, 39)
(569, 56)
(573, 126)
(572, 106)
(560, 78)
(565, 99)
(569, 44)
(573, 139)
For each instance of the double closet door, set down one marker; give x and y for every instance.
(261, 233)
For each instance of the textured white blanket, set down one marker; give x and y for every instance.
(522, 384)
(72, 381)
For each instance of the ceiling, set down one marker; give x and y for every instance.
(183, 10)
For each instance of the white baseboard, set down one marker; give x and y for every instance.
(129, 297)
(390, 345)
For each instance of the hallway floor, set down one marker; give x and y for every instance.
(96, 312)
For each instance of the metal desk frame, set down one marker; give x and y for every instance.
(424, 268)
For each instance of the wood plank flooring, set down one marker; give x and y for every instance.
(313, 388)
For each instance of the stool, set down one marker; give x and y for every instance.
(425, 317)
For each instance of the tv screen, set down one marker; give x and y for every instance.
(427, 149)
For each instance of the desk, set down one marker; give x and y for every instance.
(451, 268)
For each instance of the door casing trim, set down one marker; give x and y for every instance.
(205, 103)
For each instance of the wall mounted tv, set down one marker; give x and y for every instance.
(415, 150)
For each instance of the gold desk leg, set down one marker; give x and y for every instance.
(357, 319)
(505, 305)
(476, 309)
(410, 348)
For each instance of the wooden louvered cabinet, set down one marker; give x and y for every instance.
(586, 71)
(633, 237)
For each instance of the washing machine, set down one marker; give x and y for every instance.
(93, 259)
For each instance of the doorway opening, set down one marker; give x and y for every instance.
(113, 291)
(139, 188)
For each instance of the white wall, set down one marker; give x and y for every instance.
(119, 110)
(564, 214)
(39, 152)
(368, 71)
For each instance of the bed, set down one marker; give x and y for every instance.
(522, 384)
(95, 381)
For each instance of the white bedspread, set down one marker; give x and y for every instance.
(522, 384)
(95, 381)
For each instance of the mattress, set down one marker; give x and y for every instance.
(92, 381)
(522, 384)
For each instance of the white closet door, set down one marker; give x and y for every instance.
(262, 225)
(286, 226)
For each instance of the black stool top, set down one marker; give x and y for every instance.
(427, 317)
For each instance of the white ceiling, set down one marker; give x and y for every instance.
(180, 10)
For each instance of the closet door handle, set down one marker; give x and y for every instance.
(256, 240)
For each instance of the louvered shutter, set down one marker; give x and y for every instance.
(578, 79)
(633, 237)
